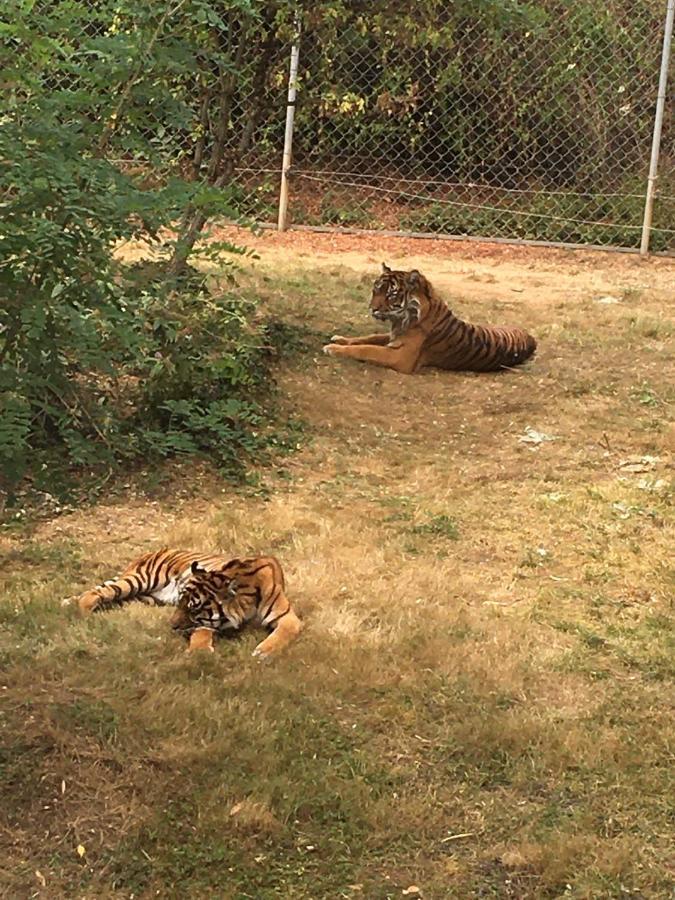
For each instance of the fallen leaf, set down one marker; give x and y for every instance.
(41, 878)
(607, 299)
(80, 850)
(534, 437)
(413, 889)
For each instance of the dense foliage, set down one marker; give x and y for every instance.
(547, 106)
(98, 363)
(484, 90)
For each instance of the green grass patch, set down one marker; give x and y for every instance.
(476, 706)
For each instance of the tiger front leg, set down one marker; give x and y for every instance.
(109, 594)
(366, 339)
(89, 602)
(286, 630)
(201, 639)
(400, 358)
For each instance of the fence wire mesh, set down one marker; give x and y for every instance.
(497, 120)
(493, 119)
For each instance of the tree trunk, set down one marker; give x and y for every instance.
(220, 170)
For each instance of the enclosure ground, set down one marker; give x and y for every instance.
(479, 706)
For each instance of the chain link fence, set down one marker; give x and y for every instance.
(495, 120)
(478, 118)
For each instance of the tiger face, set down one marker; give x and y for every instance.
(203, 600)
(396, 298)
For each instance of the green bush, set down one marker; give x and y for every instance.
(204, 381)
(64, 322)
(99, 371)
(98, 363)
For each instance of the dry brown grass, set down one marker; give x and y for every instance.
(479, 703)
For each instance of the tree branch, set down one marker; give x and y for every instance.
(113, 120)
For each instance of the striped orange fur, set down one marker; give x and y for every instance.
(212, 595)
(425, 332)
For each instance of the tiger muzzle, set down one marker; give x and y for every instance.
(180, 620)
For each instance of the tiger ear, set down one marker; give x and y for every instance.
(414, 278)
(385, 268)
(196, 569)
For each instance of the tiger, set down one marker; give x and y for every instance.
(216, 602)
(212, 595)
(424, 332)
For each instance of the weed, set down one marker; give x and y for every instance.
(645, 395)
(438, 526)
(652, 327)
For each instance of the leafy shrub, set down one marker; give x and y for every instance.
(63, 317)
(123, 370)
(204, 381)
(100, 364)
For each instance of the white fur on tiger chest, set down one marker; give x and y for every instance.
(167, 595)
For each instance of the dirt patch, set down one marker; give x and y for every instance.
(476, 704)
(469, 258)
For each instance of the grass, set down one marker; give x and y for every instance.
(477, 706)
(566, 217)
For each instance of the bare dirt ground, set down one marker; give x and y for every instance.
(478, 705)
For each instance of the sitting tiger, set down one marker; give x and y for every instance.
(213, 595)
(424, 332)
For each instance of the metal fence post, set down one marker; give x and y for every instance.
(658, 124)
(288, 135)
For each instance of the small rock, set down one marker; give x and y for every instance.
(534, 437)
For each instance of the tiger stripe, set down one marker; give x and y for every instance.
(242, 591)
(425, 332)
(211, 593)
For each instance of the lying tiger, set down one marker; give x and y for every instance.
(424, 332)
(213, 595)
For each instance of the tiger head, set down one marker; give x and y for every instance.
(203, 597)
(399, 297)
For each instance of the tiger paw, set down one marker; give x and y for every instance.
(329, 349)
(201, 639)
(339, 339)
(261, 655)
